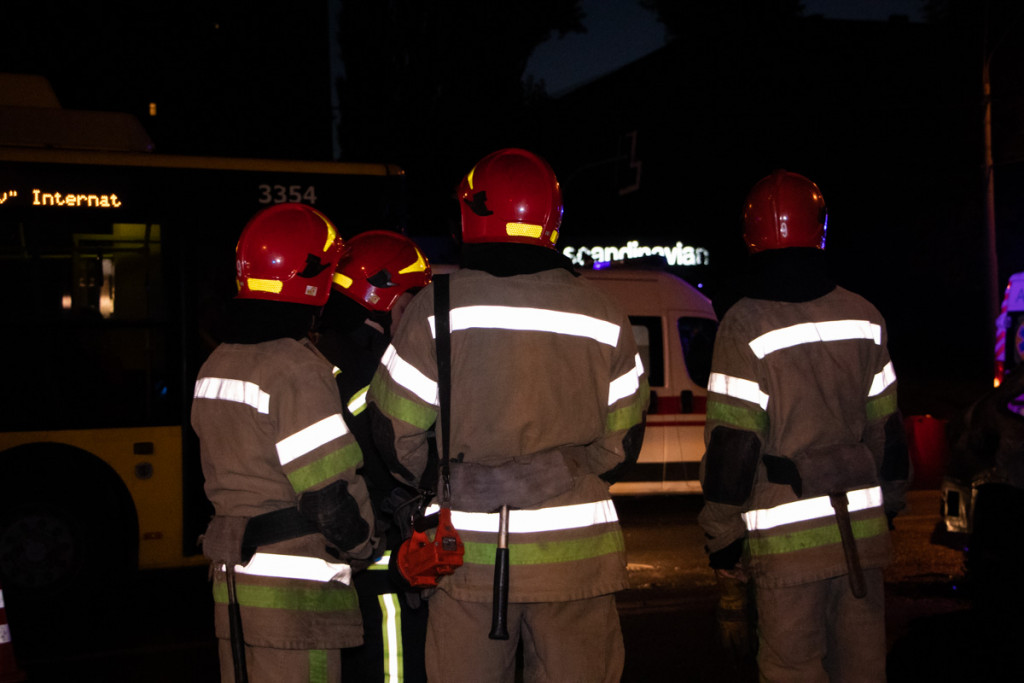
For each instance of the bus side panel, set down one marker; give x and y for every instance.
(148, 462)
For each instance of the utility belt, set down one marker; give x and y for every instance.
(839, 478)
(233, 540)
(823, 471)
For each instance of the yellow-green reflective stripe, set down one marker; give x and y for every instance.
(629, 415)
(881, 406)
(318, 666)
(813, 538)
(391, 630)
(357, 404)
(326, 468)
(547, 553)
(748, 419)
(406, 410)
(287, 597)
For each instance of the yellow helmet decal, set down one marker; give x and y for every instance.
(524, 230)
(256, 284)
(469, 178)
(417, 266)
(332, 233)
(342, 280)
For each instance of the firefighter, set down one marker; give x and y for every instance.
(376, 277)
(293, 519)
(806, 461)
(548, 401)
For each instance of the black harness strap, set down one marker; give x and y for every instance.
(442, 332)
(274, 527)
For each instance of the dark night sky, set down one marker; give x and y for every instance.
(901, 179)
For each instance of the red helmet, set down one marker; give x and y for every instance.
(378, 266)
(511, 195)
(287, 252)
(784, 210)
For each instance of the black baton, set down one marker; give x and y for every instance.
(499, 614)
(235, 622)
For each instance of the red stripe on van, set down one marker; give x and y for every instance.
(673, 405)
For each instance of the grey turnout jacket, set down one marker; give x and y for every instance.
(548, 394)
(272, 437)
(801, 403)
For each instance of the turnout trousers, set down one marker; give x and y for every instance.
(393, 633)
(579, 641)
(273, 665)
(819, 633)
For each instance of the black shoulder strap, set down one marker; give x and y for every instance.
(442, 336)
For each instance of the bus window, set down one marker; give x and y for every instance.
(697, 335)
(90, 307)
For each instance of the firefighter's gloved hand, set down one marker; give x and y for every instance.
(731, 615)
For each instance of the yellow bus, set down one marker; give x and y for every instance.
(114, 268)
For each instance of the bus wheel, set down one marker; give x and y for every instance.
(67, 536)
(37, 550)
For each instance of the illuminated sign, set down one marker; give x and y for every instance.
(42, 198)
(101, 201)
(678, 255)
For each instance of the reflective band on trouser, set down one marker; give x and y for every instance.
(532, 521)
(391, 636)
(296, 567)
(812, 508)
(357, 404)
(382, 562)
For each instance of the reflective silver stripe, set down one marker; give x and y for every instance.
(883, 380)
(296, 567)
(737, 387)
(391, 632)
(807, 333)
(627, 384)
(406, 375)
(812, 508)
(529, 521)
(357, 403)
(310, 438)
(233, 390)
(532, 320)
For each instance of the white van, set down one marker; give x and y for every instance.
(674, 325)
